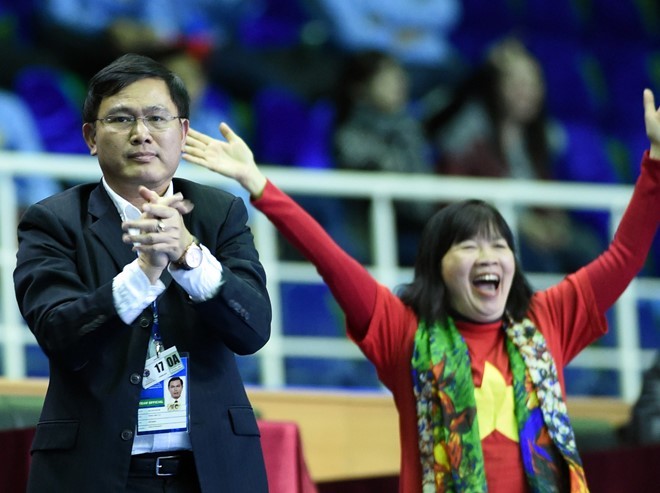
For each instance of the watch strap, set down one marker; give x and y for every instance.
(181, 261)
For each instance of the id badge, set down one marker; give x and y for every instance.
(163, 406)
(160, 367)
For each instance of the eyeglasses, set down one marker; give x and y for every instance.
(154, 123)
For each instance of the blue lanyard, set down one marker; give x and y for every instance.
(155, 330)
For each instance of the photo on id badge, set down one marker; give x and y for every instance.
(164, 406)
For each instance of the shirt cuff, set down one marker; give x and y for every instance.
(202, 283)
(132, 292)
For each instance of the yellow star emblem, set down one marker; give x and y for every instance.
(495, 406)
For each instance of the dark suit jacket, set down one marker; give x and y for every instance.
(70, 250)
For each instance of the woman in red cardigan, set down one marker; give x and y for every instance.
(474, 358)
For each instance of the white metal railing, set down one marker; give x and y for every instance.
(627, 357)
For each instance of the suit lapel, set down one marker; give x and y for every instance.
(106, 227)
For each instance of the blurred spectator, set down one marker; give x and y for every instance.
(88, 34)
(16, 48)
(245, 45)
(279, 46)
(18, 132)
(54, 98)
(415, 32)
(497, 127)
(376, 131)
(644, 424)
(209, 105)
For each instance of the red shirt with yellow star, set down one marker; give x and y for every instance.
(493, 392)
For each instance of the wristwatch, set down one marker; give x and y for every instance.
(192, 256)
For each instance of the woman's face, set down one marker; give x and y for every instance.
(388, 89)
(522, 90)
(478, 273)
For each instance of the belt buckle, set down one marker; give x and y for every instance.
(159, 465)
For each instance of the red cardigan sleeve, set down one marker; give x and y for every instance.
(355, 289)
(350, 283)
(613, 270)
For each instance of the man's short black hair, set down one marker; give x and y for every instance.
(126, 70)
(174, 379)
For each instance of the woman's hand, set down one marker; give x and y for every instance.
(652, 122)
(232, 158)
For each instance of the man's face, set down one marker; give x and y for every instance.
(175, 387)
(137, 155)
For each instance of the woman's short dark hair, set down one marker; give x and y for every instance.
(427, 294)
(124, 71)
(358, 70)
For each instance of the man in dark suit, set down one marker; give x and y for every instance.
(125, 283)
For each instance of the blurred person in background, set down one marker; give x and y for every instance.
(415, 32)
(375, 130)
(17, 49)
(208, 103)
(643, 426)
(86, 35)
(497, 127)
(18, 132)
(237, 40)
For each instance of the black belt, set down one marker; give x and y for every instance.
(160, 465)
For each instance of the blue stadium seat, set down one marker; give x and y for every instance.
(585, 158)
(628, 69)
(58, 119)
(575, 82)
(627, 19)
(280, 24)
(558, 16)
(291, 132)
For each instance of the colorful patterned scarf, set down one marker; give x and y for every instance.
(449, 443)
